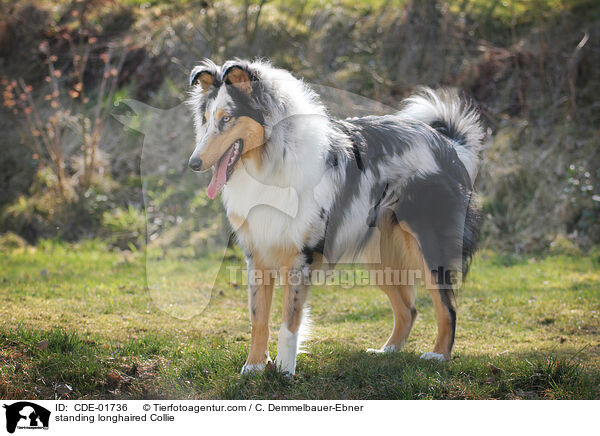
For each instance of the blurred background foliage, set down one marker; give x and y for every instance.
(68, 169)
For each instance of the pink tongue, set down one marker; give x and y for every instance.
(219, 177)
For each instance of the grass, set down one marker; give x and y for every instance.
(77, 321)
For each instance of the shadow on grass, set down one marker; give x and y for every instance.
(35, 364)
(331, 374)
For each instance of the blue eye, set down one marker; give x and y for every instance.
(226, 119)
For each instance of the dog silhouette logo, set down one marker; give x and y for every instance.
(26, 415)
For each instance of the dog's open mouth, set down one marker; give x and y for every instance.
(223, 169)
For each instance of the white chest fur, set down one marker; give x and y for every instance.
(268, 218)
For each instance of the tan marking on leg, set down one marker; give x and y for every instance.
(294, 297)
(413, 257)
(287, 256)
(399, 252)
(404, 315)
(260, 297)
(294, 290)
(443, 343)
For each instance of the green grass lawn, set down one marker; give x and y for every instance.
(80, 315)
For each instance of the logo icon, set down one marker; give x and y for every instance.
(26, 415)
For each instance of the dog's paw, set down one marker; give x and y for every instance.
(257, 368)
(384, 349)
(287, 348)
(433, 356)
(286, 366)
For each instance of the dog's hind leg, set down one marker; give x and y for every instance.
(402, 299)
(445, 313)
(260, 295)
(399, 251)
(433, 210)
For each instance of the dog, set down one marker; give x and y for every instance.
(390, 192)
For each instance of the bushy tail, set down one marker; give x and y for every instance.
(444, 110)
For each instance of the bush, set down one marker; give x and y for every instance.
(10, 241)
(95, 212)
(562, 245)
(124, 228)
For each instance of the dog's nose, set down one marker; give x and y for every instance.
(195, 163)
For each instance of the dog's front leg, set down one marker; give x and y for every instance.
(260, 295)
(295, 289)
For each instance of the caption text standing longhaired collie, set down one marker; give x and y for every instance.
(390, 192)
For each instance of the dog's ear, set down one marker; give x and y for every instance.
(239, 75)
(204, 75)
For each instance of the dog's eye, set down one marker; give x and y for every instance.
(226, 119)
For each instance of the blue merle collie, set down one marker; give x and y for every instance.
(305, 192)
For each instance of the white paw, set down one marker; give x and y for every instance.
(384, 349)
(253, 369)
(433, 356)
(285, 366)
(287, 348)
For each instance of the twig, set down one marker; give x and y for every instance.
(573, 62)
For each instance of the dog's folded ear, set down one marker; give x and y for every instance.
(205, 75)
(238, 74)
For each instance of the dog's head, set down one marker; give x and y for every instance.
(228, 119)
